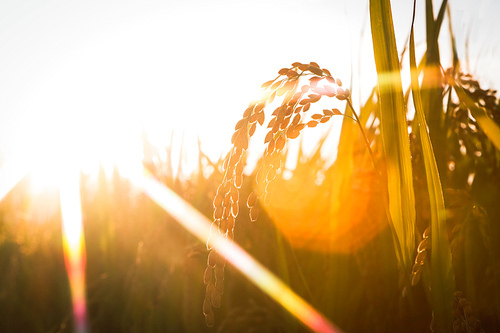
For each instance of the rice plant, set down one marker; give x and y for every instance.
(413, 164)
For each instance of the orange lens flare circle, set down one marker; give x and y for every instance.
(302, 209)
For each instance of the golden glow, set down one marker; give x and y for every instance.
(11, 173)
(98, 91)
(85, 143)
(199, 225)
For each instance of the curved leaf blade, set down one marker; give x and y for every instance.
(442, 278)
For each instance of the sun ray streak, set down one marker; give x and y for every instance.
(199, 225)
(74, 246)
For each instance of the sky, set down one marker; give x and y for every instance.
(83, 79)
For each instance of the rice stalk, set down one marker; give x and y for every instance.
(287, 122)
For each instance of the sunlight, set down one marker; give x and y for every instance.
(44, 163)
(11, 173)
(102, 88)
(86, 138)
(199, 225)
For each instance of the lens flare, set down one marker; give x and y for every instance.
(300, 205)
(11, 173)
(199, 225)
(74, 246)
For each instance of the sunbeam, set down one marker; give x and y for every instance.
(199, 225)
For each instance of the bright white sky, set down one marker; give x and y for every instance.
(81, 79)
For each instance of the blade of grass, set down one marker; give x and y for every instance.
(442, 278)
(394, 129)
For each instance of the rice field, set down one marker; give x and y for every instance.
(398, 233)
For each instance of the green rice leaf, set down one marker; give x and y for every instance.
(442, 279)
(394, 129)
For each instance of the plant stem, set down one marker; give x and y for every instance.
(367, 143)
